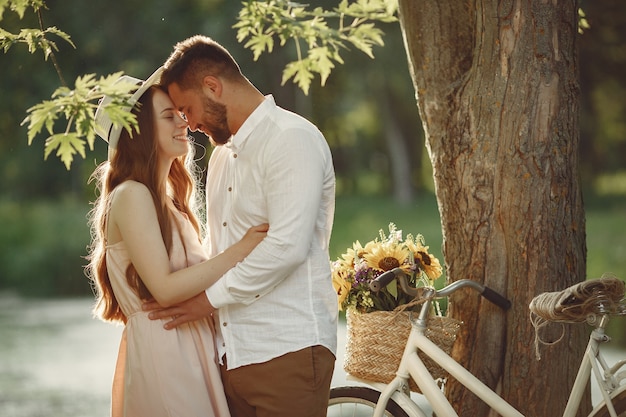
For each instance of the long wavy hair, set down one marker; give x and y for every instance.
(136, 158)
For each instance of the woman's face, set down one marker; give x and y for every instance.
(170, 127)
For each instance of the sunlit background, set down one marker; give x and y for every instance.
(366, 109)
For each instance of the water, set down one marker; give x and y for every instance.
(56, 360)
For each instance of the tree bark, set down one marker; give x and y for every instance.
(498, 94)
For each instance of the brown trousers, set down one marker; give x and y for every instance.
(296, 384)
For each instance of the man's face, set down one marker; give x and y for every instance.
(202, 113)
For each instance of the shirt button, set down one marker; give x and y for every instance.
(257, 296)
(224, 224)
(223, 344)
(224, 324)
(230, 188)
(234, 155)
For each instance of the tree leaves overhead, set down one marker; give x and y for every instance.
(35, 39)
(261, 24)
(316, 42)
(73, 109)
(20, 6)
(77, 109)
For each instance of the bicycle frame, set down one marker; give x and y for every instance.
(412, 366)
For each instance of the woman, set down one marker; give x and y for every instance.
(146, 244)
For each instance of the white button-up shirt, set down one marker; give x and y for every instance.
(277, 169)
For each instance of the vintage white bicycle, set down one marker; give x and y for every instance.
(592, 301)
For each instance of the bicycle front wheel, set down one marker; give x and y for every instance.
(359, 402)
(619, 403)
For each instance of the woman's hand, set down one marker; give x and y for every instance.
(195, 308)
(252, 238)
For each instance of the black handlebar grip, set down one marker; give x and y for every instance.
(385, 278)
(499, 300)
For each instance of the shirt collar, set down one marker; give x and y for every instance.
(238, 140)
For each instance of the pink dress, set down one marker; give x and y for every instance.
(164, 372)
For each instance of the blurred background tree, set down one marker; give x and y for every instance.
(366, 110)
(603, 104)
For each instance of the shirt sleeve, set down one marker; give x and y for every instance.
(298, 167)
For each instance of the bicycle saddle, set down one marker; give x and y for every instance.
(600, 296)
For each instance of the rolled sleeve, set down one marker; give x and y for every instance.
(218, 294)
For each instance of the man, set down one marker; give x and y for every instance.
(276, 312)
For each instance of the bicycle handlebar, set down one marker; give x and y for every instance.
(496, 298)
(491, 295)
(384, 279)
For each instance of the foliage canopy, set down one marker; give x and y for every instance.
(317, 43)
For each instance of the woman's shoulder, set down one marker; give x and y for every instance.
(131, 186)
(130, 193)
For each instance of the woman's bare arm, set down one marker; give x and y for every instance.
(134, 215)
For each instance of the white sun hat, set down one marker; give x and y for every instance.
(104, 127)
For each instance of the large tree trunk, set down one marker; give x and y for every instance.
(497, 90)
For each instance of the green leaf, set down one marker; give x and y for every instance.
(35, 39)
(66, 146)
(75, 109)
(393, 288)
(364, 37)
(323, 64)
(41, 115)
(3, 5)
(53, 30)
(260, 44)
(18, 6)
(301, 74)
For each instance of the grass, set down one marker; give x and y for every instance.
(43, 247)
(360, 218)
(43, 243)
(606, 241)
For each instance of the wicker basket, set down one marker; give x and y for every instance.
(376, 341)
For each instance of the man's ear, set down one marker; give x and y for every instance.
(212, 85)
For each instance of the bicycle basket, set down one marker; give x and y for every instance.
(376, 341)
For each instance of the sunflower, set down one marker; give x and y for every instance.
(353, 271)
(385, 256)
(342, 285)
(353, 253)
(424, 260)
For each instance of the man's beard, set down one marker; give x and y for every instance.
(216, 121)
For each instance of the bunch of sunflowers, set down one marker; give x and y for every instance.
(356, 268)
